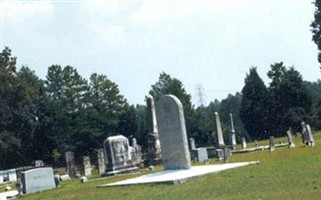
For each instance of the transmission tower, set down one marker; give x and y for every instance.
(200, 95)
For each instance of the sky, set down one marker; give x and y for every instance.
(211, 44)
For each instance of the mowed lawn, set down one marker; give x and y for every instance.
(283, 174)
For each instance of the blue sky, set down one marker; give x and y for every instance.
(211, 43)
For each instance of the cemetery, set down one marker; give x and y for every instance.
(224, 171)
(73, 133)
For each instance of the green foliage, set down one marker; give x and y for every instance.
(203, 126)
(253, 109)
(55, 155)
(168, 85)
(232, 104)
(316, 27)
(142, 130)
(17, 119)
(289, 100)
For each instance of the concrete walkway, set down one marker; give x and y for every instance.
(179, 176)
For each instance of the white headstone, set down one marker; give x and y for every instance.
(243, 143)
(202, 154)
(290, 138)
(36, 180)
(192, 143)
(232, 134)
(272, 144)
(172, 133)
(311, 139)
(153, 144)
(219, 131)
(12, 175)
(101, 161)
(87, 166)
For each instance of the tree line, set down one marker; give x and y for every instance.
(42, 119)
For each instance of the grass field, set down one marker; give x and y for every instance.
(283, 174)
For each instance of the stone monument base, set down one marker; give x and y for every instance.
(121, 171)
(179, 176)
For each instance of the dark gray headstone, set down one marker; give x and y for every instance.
(220, 154)
(70, 162)
(36, 180)
(57, 180)
(172, 133)
(272, 143)
(305, 134)
(118, 154)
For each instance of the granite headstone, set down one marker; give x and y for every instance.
(87, 166)
(36, 180)
(118, 154)
(70, 161)
(290, 138)
(101, 161)
(172, 133)
(232, 133)
(219, 131)
(243, 143)
(153, 155)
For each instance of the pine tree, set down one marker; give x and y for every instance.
(253, 109)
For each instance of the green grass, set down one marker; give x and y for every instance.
(283, 174)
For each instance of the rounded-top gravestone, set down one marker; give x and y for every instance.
(172, 133)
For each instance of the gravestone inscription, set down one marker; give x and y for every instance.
(36, 180)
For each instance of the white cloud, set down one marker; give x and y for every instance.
(154, 12)
(14, 12)
(102, 10)
(114, 35)
(104, 21)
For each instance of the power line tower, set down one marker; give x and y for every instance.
(200, 95)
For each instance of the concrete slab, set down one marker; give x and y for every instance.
(9, 194)
(179, 176)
